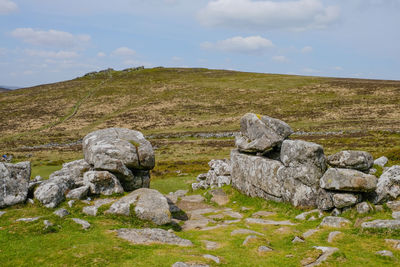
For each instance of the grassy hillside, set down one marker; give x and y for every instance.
(164, 100)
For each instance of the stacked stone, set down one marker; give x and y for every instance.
(218, 175)
(268, 165)
(116, 160)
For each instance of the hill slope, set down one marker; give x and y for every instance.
(162, 100)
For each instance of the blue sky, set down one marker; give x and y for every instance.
(44, 41)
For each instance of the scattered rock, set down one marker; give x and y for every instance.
(262, 249)
(297, 239)
(245, 232)
(28, 219)
(351, 159)
(149, 236)
(193, 198)
(85, 225)
(233, 214)
(78, 193)
(176, 195)
(393, 205)
(183, 264)
(14, 183)
(90, 210)
(396, 215)
(363, 208)
(345, 200)
(30, 201)
(326, 252)
(196, 224)
(385, 253)
(261, 133)
(268, 222)
(2, 213)
(388, 187)
(395, 243)
(336, 212)
(333, 235)
(210, 245)
(211, 257)
(336, 222)
(47, 224)
(262, 213)
(382, 161)
(309, 233)
(249, 239)
(382, 224)
(303, 216)
(219, 197)
(61, 213)
(102, 182)
(149, 204)
(71, 203)
(348, 180)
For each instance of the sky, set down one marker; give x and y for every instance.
(45, 41)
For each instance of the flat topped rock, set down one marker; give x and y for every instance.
(333, 221)
(268, 222)
(326, 252)
(351, 159)
(193, 198)
(382, 224)
(245, 232)
(184, 264)
(348, 180)
(263, 213)
(219, 197)
(28, 219)
(85, 225)
(148, 236)
(261, 133)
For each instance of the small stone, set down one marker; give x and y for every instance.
(28, 219)
(262, 249)
(378, 207)
(336, 212)
(396, 215)
(85, 225)
(312, 218)
(309, 233)
(148, 236)
(326, 252)
(211, 257)
(268, 222)
(385, 253)
(30, 201)
(78, 193)
(71, 203)
(245, 209)
(47, 224)
(193, 198)
(219, 197)
(245, 232)
(395, 243)
(372, 171)
(363, 208)
(61, 213)
(184, 264)
(210, 245)
(382, 161)
(303, 216)
(249, 239)
(2, 213)
(393, 205)
(233, 214)
(336, 222)
(263, 213)
(90, 210)
(333, 235)
(297, 239)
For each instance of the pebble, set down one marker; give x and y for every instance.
(85, 225)
(385, 253)
(297, 239)
(61, 213)
(264, 249)
(211, 257)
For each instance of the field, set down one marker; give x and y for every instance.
(171, 106)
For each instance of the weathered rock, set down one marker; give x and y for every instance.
(193, 198)
(90, 210)
(297, 239)
(210, 245)
(102, 182)
(47, 224)
(2, 213)
(128, 146)
(363, 208)
(184, 264)
(396, 215)
(326, 252)
(221, 167)
(295, 192)
(333, 235)
(176, 195)
(382, 224)
(28, 219)
(263, 213)
(385, 253)
(325, 199)
(256, 176)
(149, 205)
(388, 187)
(394, 243)
(14, 183)
(382, 161)
(85, 225)
(249, 239)
(303, 216)
(149, 236)
(78, 193)
(336, 212)
(268, 222)
(262, 249)
(33, 184)
(71, 203)
(61, 213)
(245, 232)
(393, 205)
(336, 222)
(309, 233)
(51, 193)
(261, 133)
(351, 159)
(348, 180)
(219, 197)
(342, 200)
(305, 161)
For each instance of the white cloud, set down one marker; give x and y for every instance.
(306, 49)
(251, 44)
(7, 6)
(267, 15)
(281, 59)
(51, 54)
(101, 54)
(51, 38)
(124, 51)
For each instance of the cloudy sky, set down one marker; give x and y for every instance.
(43, 41)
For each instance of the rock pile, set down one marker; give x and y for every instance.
(116, 160)
(267, 164)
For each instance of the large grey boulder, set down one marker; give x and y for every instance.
(261, 133)
(348, 180)
(78, 193)
(149, 204)
(102, 182)
(256, 176)
(14, 183)
(352, 159)
(305, 161)
(51, 193)
(388, 187)
(128, 146)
